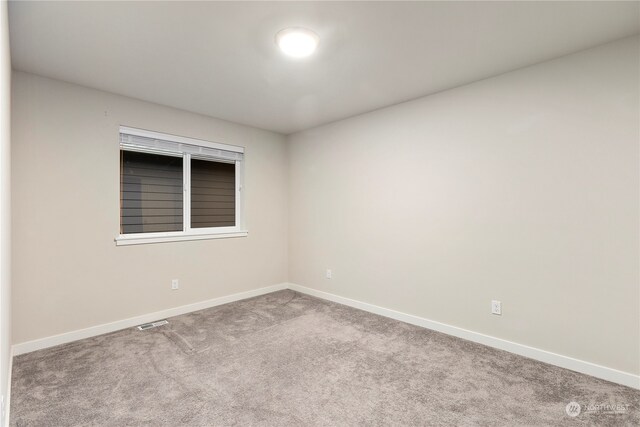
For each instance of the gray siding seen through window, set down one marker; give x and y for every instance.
(213, 194)
(151, 193)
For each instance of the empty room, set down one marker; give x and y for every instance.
(319, 213)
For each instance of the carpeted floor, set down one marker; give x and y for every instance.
(289, 359)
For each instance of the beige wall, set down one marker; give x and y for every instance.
(5, 206)
(522, 188)
(68, 272)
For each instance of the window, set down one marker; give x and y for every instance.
(151, 193)
(175, 188)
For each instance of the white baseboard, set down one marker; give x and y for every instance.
(7, 402)
(598, 371)
(39, 344)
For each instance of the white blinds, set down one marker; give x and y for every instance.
(169, 144)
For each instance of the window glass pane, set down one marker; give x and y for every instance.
(150, 193)
(213, 194)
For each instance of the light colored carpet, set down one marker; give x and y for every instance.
(289, 359)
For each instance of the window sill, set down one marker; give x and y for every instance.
(139, 240)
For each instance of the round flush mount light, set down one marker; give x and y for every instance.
(297, 42)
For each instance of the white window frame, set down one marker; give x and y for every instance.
(187, 232)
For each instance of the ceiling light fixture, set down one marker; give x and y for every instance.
(297, 42)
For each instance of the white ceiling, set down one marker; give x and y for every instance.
(220, 59)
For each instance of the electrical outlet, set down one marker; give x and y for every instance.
(329, 274)
(175, 284)
(496, 307)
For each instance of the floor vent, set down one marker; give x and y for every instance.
(152, 325)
